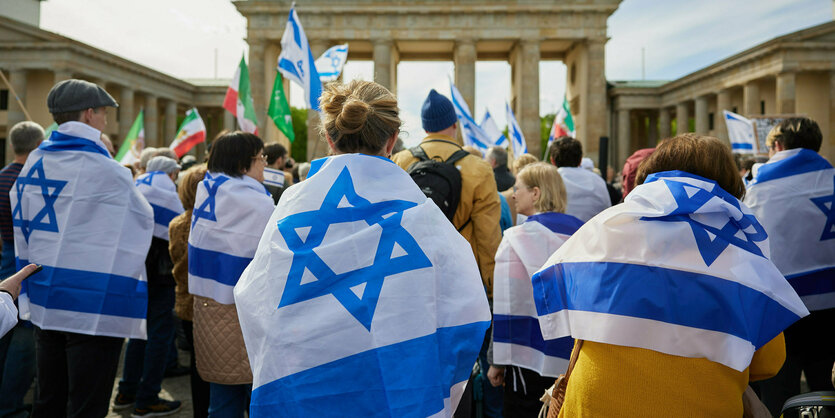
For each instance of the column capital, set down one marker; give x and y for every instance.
(382, 40)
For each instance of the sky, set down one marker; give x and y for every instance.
(192, 39)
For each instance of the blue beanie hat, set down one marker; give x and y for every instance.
(437, 113)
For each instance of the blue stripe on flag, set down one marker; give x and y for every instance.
(87, 291)
(738, 145)
(813, 283)
(220, 267)
(524, 330)
(410, 378)
(559, 223)
(288, 66)
(62, 142)
(163, 216)
(649, 291)
(804, 162)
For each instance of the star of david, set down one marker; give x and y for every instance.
(207, 208)
(710, 240)
(147, 179)
(50, 190)
(368, 279)
(827, 205)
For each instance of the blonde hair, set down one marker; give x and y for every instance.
(552, 195)
(473, 150)
(359, 116)
(521, 161)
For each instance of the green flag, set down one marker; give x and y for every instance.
(49, 129)
(134, 142)
(279, 110)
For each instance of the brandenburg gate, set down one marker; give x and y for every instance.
(522, 32)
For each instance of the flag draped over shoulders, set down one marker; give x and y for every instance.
(517, 339)
(362, 299)
(228, 218)
(681, 268)
(161, 193)
(793, 195)
(77, 213)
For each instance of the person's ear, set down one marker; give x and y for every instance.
(536, 193)
(331, 145)
(390, 145)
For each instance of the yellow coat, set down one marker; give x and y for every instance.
(479, 202)
(616, 381)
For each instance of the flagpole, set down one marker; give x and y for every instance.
(14, 93)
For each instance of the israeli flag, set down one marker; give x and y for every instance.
(77, 213)
(472, 133)
(161, 193)
(740, 132)
(517, 139)
(330, 64)
(681, 267)
(273, 177)
(517, 339)
(296, 60)
(350, 301)
(793, 195)
(488, 125)
(229, 215)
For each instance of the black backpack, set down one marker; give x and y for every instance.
(439, 180)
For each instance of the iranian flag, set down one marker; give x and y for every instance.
(238, 100)
(563, 124)
(192, 132)
(134, 142)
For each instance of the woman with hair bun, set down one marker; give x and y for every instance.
(362, 298)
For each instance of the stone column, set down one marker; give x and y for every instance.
(15, 114)
(826, 146)
(228, 121)
(702, 125)
(664, 123)
(316, 145)
(61, 75)
(723, 102)
(593, 105)
(170, 122)
(126, 114)
(751, 98)
(526, 88)
(151, 121)
(257, 80)
(682, 118)
(624, 130)
(465, 59)
(385, 69)
(652, 137)
(785, 93)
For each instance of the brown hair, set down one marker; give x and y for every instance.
(359, 116)
(703, 156)
(552, 194)
(794, 133)
(188, 185)
(521, 161)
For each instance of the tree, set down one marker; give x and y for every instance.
(298, 149)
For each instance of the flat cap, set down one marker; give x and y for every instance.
(72, 95)
(162, 163)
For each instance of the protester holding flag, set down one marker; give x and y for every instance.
(230, 212)
(178, 232)
(517, 341)
(671, 296)
(77, 213)
(362, 299)
(145, 363)
(793, 195)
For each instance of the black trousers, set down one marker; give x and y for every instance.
(75, 374)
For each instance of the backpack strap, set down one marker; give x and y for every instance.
(419, 153)
(457, 155)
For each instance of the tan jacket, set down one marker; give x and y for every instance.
(479, 202)
(178, 230)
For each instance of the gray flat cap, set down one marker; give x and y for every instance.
(72, 95)
(162, 163)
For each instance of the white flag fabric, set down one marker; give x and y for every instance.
(296, 61)
(161, 193)
(517, 339)
(740, 133)
(793, 195)
(273, 177)
(330, 64)
(586, 191)
(361, 295)
(472, 134)
(517, 139)
(77, 213)
(488, 125)
(228, 218)
(681, 267)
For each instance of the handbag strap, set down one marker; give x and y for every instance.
(574, 354)
(560, 386)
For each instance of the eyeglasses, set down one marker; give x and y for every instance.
(263, 157)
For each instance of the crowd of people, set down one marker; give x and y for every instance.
(370, 282)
